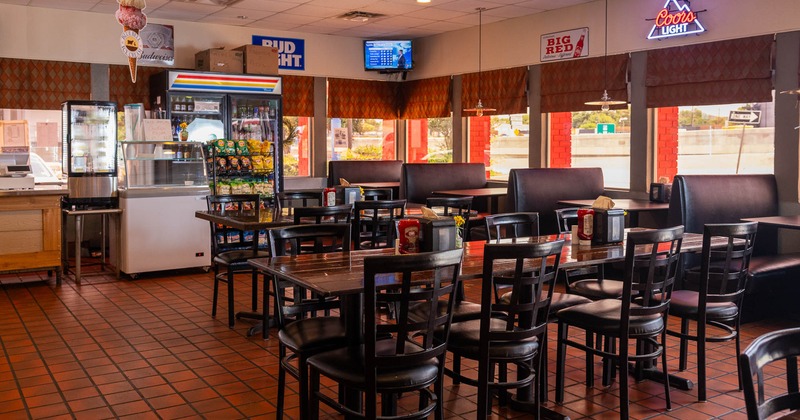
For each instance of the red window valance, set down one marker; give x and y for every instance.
(505, 90)
(425, 98)
(567, 85)
(348, 98)
(122, 91)
(39, 84)
(737, 70)
(298, 96)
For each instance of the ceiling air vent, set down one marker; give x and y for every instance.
(357, 16)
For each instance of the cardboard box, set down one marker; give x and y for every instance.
(220, 60)
(259, 60)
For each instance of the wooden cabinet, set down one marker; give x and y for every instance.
(30, 230)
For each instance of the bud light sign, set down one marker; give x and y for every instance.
(565, 45)
(291, 51)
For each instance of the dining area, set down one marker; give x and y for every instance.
(365, 328)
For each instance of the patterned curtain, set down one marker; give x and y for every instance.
(425, 98)
(122, 91)
(348, 98)
(737, 70)
(38, 84)
(298, 96)
(505, 90)
(567, 85)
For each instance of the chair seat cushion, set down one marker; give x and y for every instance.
(684, 303)
(604, 316)
(594, 289)
(462, 311)
(313, 335)
(238, 257)
(768, 264)
(347, 366)
(465, 339)
(558, 302)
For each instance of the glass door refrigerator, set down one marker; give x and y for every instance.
(89, 152)
(238, 116)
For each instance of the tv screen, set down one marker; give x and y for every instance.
(388, 55)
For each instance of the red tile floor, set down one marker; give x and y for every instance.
(149, 348)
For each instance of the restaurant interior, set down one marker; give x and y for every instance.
(514, 209)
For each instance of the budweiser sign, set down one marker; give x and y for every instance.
(675, 18)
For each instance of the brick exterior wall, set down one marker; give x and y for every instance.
(417, 140)
(480, 135)
(561, 140)
(388, 140)
(303, 148)
(667, 143)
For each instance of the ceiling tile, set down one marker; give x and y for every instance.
(316, 11)
(272, 24)
(435, 13)
(510, 12)
(68, 5)
(392, 8)
(343, 4)
(233, 12)
(17, 2)
(292, 19)
(405, 22)
(264, 5)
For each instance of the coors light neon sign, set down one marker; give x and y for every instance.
(675, 19)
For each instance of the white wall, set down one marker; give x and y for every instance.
(47, 34)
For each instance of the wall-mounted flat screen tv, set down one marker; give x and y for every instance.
(388, 55)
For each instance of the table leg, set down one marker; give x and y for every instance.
(78, 240)
(352, 312)
(103, 225)
(117, 227)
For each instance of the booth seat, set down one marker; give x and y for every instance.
(419, 180)
(540, 189)
(700, 199)
(356, 171)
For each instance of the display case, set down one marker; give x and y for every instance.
(162, 185)
(151, 164)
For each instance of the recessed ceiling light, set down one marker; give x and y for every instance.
(423, 1)
(241, 17)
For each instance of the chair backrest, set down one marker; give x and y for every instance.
(420, 180)
(405, 281)
(374, 222)
(225, 238)
(378, 194)
(566, 218)
(302, 239)
(651, 264)
(529, 271)
(451, 206)
(512, 225)
(356, 171)
(299, 198)
(316, 215)
(723, 271)
(764, 350)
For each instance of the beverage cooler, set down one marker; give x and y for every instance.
(89, 136)
(239, 118)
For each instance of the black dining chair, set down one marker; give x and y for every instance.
(378, 194)
(512, 330)
(587, 281)
(453, 206)
(318, 214)
(298, 198)
(640, 315)
(302, 332)
(398, 356)
(374, 222)
(231, 248)
(716, 301)
(763, 352)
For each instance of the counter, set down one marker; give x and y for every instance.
(30, 229)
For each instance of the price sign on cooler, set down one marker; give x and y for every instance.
(745, 117)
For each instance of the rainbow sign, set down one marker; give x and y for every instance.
(224, 83)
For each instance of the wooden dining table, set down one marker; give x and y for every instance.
(633, 206)
(490, 194)
(341, 274)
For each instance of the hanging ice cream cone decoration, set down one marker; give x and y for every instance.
(132, 19)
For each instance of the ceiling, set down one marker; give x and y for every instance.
(401, 18)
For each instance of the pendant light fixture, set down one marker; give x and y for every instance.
(479, 109)
(605, 101)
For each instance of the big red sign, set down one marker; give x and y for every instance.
(675, 18)
(565, 45)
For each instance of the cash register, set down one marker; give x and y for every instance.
(14, 173)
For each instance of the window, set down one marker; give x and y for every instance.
(591, 139)
(709, 143)
(296, 146)
(361, 139)
(45, 145)
(500, 142)
(430, 140)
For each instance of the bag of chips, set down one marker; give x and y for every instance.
(241, 147)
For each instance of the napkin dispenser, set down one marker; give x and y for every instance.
(438, 234)
(347, 195)
(609, 226)
(660, 192)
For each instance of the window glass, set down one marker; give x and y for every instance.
(361, 139)
(592, 139)
(296, 146)
(710, 142)
(430, 140)
(500, 142)
(45, 146)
